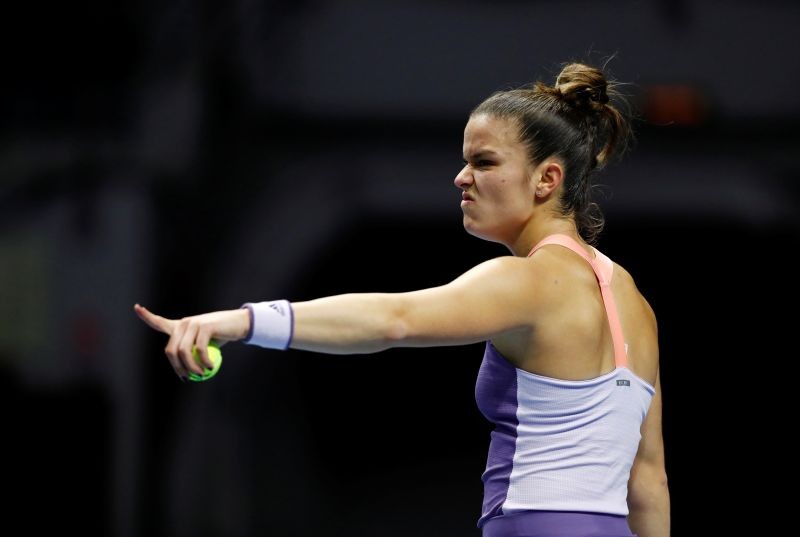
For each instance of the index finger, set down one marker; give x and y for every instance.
(154, 321)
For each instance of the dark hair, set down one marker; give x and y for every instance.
(575, 121)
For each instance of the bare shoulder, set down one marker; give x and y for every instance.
(519, 269)
(545, 270)
(521, 281)
(625, 284)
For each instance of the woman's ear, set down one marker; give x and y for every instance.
(551, 175)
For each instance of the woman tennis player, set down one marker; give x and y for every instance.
(570, 374)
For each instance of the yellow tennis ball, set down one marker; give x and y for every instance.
(216, 358)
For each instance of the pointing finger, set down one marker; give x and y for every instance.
(154, 321)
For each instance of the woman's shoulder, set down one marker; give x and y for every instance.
(530, 277)
(628, 293)
(533, 267)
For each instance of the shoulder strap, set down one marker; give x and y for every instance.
(603, 269)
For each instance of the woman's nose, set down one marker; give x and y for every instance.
(464, 178)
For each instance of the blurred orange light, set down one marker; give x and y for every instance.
(675, 104)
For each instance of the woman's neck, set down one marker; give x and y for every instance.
(532, 235)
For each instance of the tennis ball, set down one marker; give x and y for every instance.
(216, 358)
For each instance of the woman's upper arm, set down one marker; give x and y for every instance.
(494, 297)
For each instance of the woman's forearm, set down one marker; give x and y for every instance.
(348, 324)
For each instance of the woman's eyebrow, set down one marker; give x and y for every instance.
(481, 154)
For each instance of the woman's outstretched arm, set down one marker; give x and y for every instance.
(490, 299)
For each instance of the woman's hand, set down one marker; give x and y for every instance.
(196, 331)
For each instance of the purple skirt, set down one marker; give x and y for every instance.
(557, 524)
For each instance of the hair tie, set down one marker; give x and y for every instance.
(597, 95)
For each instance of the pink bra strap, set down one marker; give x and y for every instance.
(603, 269)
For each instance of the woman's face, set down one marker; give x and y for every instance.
(497, 180)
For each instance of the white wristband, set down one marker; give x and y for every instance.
(271, 324)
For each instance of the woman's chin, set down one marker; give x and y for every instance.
(476, 231)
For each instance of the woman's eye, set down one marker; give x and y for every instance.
(479, 163)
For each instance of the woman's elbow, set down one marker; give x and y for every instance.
(396, 331)
(647, 486)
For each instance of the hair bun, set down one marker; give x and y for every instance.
(582, 85)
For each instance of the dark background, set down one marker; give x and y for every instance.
(192, 156)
